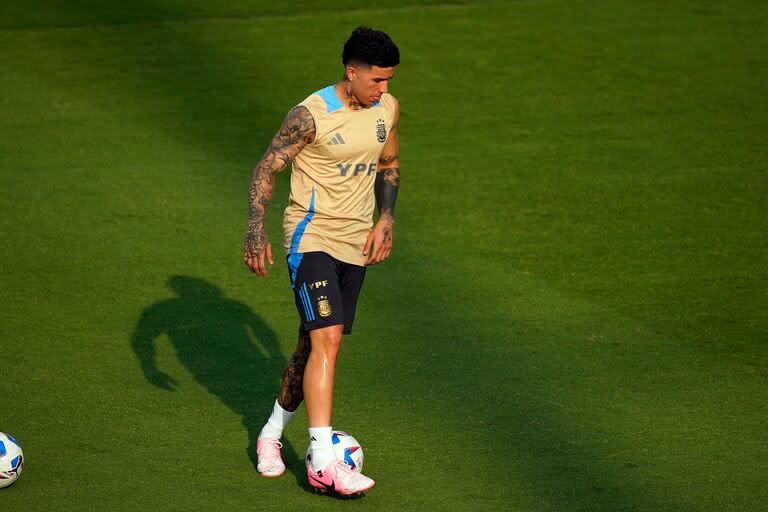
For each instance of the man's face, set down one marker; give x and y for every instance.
(369, 83)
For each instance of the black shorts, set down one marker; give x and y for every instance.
(325, 289)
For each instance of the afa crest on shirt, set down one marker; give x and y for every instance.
(324, 306)
(381, 130)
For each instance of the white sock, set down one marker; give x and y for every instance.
(322, 447)
(276, 422)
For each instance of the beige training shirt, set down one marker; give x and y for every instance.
(331, 205)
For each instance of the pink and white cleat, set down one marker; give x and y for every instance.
(338, 477)
(270, 463)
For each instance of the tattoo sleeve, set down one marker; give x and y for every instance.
(387, 185)
(297, 130)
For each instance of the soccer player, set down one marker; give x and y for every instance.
(342, 142)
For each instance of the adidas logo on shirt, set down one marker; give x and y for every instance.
(336, 139)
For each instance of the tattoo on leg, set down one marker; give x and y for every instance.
(292, 388)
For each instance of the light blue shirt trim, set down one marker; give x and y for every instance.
(294, 256)
(332, 102)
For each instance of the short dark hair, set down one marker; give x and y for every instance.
(370, 47)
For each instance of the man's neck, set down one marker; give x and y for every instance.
(344, 91)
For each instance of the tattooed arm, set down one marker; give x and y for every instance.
(297, 131)
(386, 187)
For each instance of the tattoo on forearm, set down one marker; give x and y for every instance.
(385, 188)
(392, 176)
(292, 388)
(297, 131)
(388, 159)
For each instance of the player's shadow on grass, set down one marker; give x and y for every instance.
(226, 347)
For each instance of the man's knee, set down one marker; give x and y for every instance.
(327, 339)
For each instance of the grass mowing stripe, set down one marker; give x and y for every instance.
(246, 16)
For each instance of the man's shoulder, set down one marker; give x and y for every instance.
(322, 101)
(389, 99)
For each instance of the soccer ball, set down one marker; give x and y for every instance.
(347, 449)
(11, 460)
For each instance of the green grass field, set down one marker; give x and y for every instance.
(574, 316)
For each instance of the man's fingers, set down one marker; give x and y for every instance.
(383, 253)
(249, 262)
(262, 269)
(370, 251)
(380, 253)
(374, 252)
(373, 258)
(269, 254)
(368, 243)
(377, 246)
(253, 263)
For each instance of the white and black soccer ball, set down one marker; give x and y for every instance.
(11, 460)
(347, 449)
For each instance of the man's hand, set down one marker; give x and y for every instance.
(380, 237)
(255, 247)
